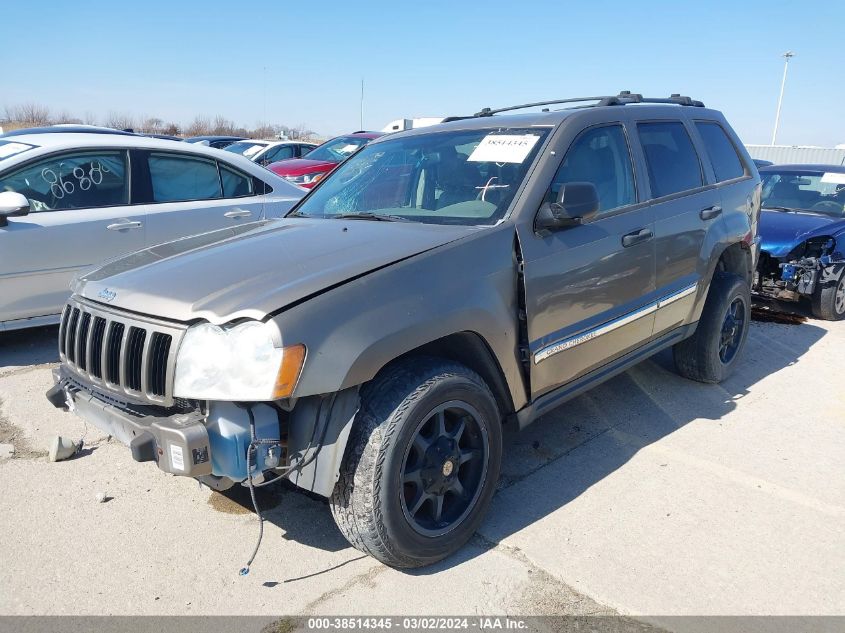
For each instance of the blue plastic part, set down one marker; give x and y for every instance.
(229, 438)
(788, 272)
(244, 571)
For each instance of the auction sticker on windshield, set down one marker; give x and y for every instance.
(503, 148)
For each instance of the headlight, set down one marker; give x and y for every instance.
(306, 179)
(238, 363)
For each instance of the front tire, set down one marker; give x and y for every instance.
(711, 353)
(421, 463)
(829, 300)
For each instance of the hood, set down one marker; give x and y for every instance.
(300, 166)
(263, 267)
(782, 231)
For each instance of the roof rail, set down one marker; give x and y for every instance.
(623, 98)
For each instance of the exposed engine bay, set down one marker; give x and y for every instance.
(807, 267)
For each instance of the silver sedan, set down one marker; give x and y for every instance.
(72, 199)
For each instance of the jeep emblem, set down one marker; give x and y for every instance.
(106, 295)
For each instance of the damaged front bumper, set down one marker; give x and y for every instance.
(792, 279)
(177, 442)
(311, 437)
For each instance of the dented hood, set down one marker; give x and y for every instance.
(783, 231)
(255, 269)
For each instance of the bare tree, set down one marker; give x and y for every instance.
(30, 113)
(223, 126)
(64, 117)
(152, 125)
(200, 126)
(120, 121)
(33, 114)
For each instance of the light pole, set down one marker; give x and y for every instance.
(786, 57)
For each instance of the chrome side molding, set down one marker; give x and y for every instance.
(568, 343)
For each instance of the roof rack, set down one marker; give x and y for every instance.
(623, 98)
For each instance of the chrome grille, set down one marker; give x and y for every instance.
(125, 354)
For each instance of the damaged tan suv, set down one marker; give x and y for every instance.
(439, 283)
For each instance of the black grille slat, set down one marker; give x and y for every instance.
(70, 339)
(134, 357)
(63, 329)
(121, 353)
(82, 343)
(114, 343)
(97, 335)
(157, 363)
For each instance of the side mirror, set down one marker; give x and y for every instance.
(576, 203)
(12, 204)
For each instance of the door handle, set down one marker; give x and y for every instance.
(127, 224)
(237, 213)
(710, 212)
(643, 235)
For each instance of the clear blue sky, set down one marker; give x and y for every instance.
(178, 58)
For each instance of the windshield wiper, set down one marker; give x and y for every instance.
(298, 214)
(378, 217)
(780, 208)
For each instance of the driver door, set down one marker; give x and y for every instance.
(79, 216)
(588, 285)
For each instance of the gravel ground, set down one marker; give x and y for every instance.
(649, 496)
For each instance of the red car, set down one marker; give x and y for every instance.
(311, 168)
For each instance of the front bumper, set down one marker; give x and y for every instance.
(177, 442)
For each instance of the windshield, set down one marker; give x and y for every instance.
(462, 177)
(337, 149)
(245, 148)
(818, 192)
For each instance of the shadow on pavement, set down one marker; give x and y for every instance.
(34, 346)
(597, 433)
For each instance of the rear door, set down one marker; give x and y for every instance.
(187, 195)
(79, 216)
(685, 205)
(587, 286)
(733, 175)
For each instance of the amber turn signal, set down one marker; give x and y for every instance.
(293, 357)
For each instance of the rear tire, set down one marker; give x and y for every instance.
(829, 300)
(421, 464)
(711, 353)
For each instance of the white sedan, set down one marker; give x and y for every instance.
(266, 152)
(70, 199)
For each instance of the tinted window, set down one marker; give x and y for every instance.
(176, 178)
(723, 156)
(235, 185)
(72, 181)
(599, 156)
(673, 164)
(280, 153)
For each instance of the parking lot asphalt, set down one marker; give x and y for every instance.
(649, 496)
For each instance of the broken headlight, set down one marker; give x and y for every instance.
(818, 247)
(236, 363)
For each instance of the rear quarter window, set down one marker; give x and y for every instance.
(723, 155)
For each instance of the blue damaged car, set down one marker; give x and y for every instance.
(802, 227)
